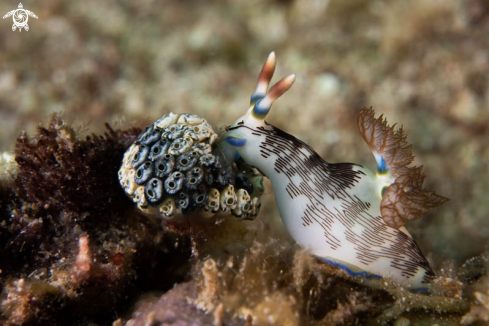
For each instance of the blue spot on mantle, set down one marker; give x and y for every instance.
(236, 142)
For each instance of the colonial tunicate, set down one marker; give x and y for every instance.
(228, 199)
(186, 161)
(164, 165)
(168, 208)
(180, 145)
(183, 200)
(242, 203)
(140, 156)
(158, 150)
(174, 169)
(194, 178)
(150, 136)
(144, 172)
(154, 191)
(214, 198)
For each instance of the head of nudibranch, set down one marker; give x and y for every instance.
(239, 137)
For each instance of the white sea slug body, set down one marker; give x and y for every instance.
(332, 209)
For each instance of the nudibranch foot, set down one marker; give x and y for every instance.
(351, 270)
(355, 271)
(173, 170)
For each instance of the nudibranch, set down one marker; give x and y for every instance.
(174, 170)
(337, 210)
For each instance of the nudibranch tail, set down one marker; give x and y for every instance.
(403, 196)
(264, 78)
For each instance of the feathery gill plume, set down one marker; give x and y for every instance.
(404, 199)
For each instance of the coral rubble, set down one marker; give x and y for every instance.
(70, 236)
